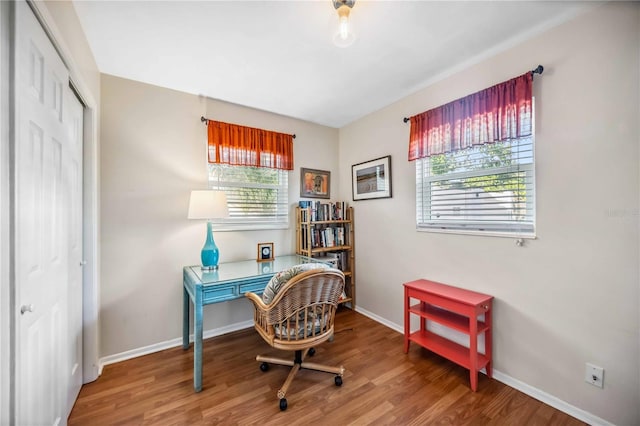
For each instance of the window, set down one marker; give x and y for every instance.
(257, 196)
(475, 162)
(482, 189)
(252, 167)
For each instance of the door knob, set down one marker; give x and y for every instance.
(27, 308)
(83, 262)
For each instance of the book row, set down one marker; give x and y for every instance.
(323, 211)
(327, 237)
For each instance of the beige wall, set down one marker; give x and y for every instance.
(153, 154)
(571, 295)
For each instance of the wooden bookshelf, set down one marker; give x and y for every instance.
(331, 238)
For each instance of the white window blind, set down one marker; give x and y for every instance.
(483, 189)
(257, 196)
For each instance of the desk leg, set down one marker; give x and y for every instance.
(197, 341)
(185, 319)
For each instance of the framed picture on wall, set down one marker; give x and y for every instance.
(371, 179)
(315, 183)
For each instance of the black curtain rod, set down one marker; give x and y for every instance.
(206, 121)
(539, 69)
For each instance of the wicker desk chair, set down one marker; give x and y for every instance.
(300, 316)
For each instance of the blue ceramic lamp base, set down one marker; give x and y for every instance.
(210, 253)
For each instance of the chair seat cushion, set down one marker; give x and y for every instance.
(315, 324)
(280, 279)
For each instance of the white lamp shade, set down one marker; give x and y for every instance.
(208, 204)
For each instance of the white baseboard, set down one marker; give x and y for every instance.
(533, 392)
(383, 321)
(549, 399)
(157, 347)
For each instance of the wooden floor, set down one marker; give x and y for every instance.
(382, 386)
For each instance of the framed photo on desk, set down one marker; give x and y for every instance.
(265, 252)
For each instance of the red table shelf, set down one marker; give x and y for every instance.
(455, 308)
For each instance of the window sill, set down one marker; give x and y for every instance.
(529, 236)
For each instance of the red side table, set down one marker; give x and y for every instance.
(455, 308)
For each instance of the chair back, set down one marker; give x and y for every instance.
(302, 313)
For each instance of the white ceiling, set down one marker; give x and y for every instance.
(279, 56)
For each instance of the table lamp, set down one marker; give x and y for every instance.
(208, 204)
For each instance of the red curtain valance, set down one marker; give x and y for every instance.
(247, 146)
(498, 113)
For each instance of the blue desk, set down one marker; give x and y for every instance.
(231, 281)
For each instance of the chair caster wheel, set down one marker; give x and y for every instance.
(264, 366)
(283, 404)
(338, 380)
(312, 352)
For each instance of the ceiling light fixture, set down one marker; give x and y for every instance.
(344, 36)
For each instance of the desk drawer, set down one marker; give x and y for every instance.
(220, 294)
(254, 286)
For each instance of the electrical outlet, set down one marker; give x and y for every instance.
(594, 375)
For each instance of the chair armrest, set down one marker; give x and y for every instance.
(260, 311)
(257, 301)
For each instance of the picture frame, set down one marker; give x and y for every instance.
(371, 179)
(265, 252)
(315, 183)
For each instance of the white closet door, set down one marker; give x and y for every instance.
(73, 167)
(42, 226)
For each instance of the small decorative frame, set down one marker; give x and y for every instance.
(371, 179)
(315, 183)
(265, 252)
